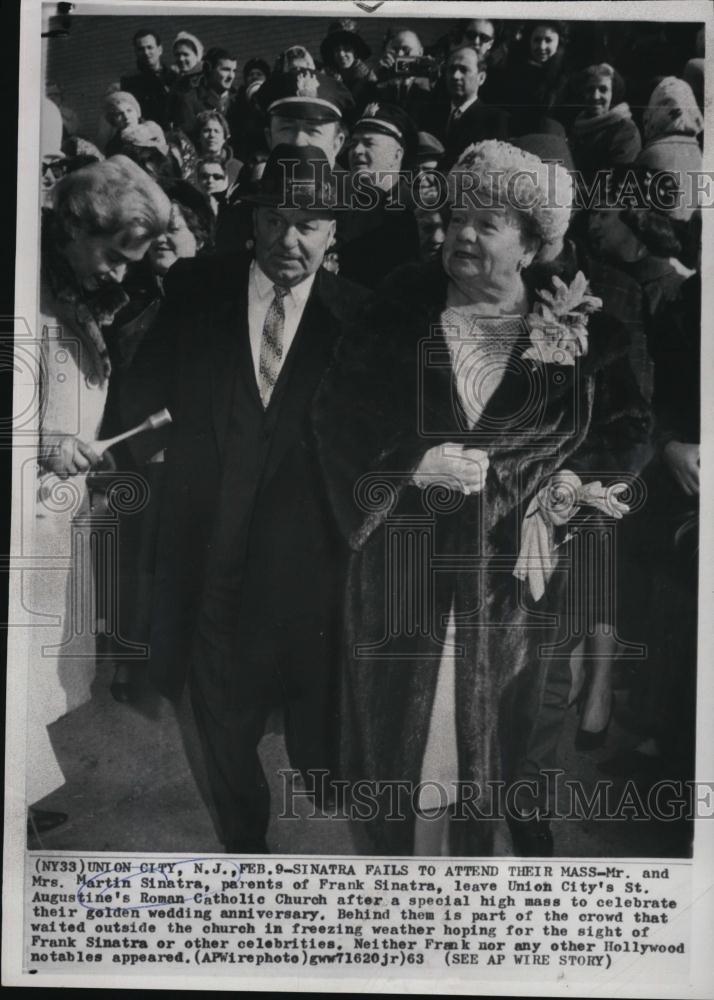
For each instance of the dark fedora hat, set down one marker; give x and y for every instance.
(297, 177)
(344, 32)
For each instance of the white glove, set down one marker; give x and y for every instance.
(552, 506)
(452, 465)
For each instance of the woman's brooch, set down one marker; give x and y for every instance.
(558, 324)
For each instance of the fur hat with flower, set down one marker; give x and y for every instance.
(495, 174)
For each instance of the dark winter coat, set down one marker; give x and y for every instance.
(528, 91)
(389, 398)
(372, 243)
(187, 104)
(605, 141)
(153, 91)
(478, 122)
(281, 540)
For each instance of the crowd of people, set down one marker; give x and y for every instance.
(424, 322)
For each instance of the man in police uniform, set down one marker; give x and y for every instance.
(303, 108)
(306, 108)
(379, 232)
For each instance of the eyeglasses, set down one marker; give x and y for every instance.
(211, 177)
(55, 167)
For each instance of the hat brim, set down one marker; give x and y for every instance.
(301, 107)
(361, 49)
(306, 203)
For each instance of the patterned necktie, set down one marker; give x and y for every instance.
(271, 345)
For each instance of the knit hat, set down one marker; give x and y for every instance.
(188, 39)
(507, 176)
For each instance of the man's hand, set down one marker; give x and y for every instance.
(454, 466)
(70, 456)
(387, 59)
(682, 460)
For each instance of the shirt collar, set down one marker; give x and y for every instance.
(264, 286)
(465, 105)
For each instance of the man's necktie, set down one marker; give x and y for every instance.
(271, 345)
(454, 117)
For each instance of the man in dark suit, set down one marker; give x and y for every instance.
(152, 84)
(464, 118)
(249, 578)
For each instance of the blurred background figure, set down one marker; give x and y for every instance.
(248, 126)
(404, 74)
(121, 111)
(431, 224)
(535, 79)
(344, 53)
(214, 91)
(190, 233)
(295, 57)
(188, 54)
(212, 135)
(604, 134)
(213, 181)
(153, 83)
(372, 241)
(672, 126)
(70, 119)
(456, 115)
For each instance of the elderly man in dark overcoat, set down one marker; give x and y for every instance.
(250, 564)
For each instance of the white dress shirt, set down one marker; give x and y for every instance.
(457, 110)
(261, 293)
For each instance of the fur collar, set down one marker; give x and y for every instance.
(592, 124)
(419, 292)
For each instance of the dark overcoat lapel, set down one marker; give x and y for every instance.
(230, 356)
(300, 375)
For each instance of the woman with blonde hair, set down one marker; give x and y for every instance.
(103, 217)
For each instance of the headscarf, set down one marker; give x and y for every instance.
(672, 110)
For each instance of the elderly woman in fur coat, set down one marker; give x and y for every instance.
(449, 434)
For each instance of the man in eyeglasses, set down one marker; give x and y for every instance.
(480, 33)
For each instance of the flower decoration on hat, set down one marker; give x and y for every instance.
(371, 111)
(558, 324)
